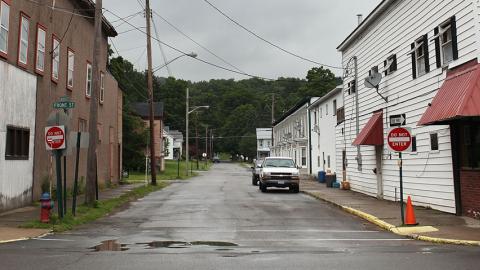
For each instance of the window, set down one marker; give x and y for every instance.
(18, 143)
(102, 87)
(4, 27)
(414, 144)
(420, 59)
(334, 107)
(88, 84)
(326, 109)
(70, 68)
(390, 65)
(470, 146)
(82, 125)
(315, 117)
(321, 112)
(340, 115)
(40, 50)
(304, 156)
(55, 58)
(351, 87)
(99, 132)
(433, 141)
(328, 161)
(446, 42)
(23, 40)
(318, 161)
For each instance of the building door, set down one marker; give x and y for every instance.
(378, 155)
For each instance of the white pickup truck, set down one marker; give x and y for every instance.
(279, 172)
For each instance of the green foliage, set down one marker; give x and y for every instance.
(237, 108)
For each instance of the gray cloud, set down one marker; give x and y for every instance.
(311, 28)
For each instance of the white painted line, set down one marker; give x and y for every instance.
(399, 139)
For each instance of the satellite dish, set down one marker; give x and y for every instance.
(373, 80)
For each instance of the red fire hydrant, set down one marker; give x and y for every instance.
(46, 205)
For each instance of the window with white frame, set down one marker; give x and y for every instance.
(351, 87)
(4, 27)
(390, 65)
(40, 50)
(102, 87)
(445, 38)
(326, 109)
(55, 58)
(304, 156)
(88, 84)
(334, 107)
(23, 40)
(70, 68)
(420, 59)
(321, 112)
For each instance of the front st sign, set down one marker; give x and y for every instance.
(55, 137)
(399, 139)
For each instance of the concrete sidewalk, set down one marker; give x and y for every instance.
(434, 226)
(11, 221)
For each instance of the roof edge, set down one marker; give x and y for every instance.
(328, 95)
(373, 16)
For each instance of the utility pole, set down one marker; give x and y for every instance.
(90, 188)
(273, 120)
(196, 137)
(206, 143)
(153, 160)
(186, 132)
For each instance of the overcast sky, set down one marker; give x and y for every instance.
(310, 28)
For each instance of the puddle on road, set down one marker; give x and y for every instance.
(183, 244)
(110, 245)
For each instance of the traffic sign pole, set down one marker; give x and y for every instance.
(401, 188)
(58, 164)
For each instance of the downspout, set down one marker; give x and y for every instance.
(309, 138)
(357, 121)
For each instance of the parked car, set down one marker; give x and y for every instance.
(280, 172)
(257, 165)
(216, 159)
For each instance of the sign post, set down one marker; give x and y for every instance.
(55, 141)
(399, 140)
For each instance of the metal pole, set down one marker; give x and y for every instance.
(178, 165)
(58, 165)
(186, 128)
(75, 183)
(357, 120)
(401, 187)
(206, 145)
(196, 137)
(64, 185)
(153, 162)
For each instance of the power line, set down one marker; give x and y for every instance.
(197, 58)
(200, 45)
(65, 10)
(267, 41)
(165, 60)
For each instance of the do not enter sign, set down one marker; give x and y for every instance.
(55, 137)
(399, 139)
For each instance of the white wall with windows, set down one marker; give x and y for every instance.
(411, 43)
(17, 132)
(323, 129)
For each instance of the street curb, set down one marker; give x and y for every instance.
(25, 238)
(391, 228)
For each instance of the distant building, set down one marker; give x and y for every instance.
(173, 141)
(142, 109)
(324, 116)
(427, 54)
(264, 142)
(291, 135)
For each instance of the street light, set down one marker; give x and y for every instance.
(152, 119)
(187, 112)
(192, 54)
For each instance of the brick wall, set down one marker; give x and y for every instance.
(470, 190)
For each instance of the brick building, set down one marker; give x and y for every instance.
(54, 45)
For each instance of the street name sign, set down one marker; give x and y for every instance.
(64, 105)
(399, 139)
(398, 120)
(55, 137)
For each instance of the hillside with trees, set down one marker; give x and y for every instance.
(237, 108)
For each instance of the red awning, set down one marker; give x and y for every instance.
(458, 97)
(372, 133)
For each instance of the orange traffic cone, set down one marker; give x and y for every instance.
(410, 214)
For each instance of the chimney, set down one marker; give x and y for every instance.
(360, 18)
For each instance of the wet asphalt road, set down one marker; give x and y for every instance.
(276, 230)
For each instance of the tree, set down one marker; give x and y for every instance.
(319, 82)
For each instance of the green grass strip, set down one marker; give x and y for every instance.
(87, 214)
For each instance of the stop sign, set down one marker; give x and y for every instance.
(55, 137)
(399, 139)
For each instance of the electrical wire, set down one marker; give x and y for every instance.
(196, 58)
(65, 10)
(267, 41)
(194, 41)
(165, 60)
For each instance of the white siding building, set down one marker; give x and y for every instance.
(323, 115)
(264, 142)
(415, 45)
(18, 91)
(291, 135)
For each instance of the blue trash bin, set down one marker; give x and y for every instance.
(321, 176)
